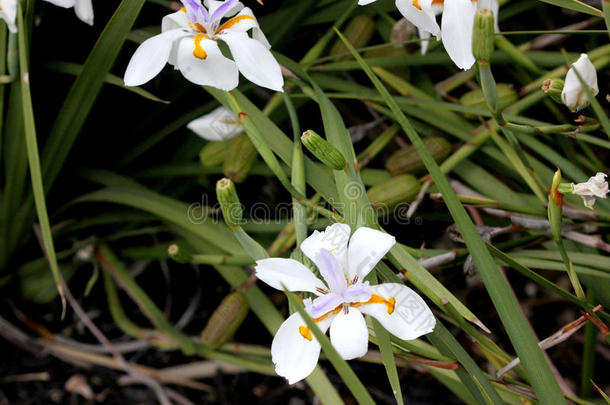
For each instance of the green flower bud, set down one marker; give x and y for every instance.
(399, 189)
(407, 160)
(241, 155)
(214, 153)
(229, 202)
(180, 253)
(553, 89)
(226, 319)
(323, 150)
(483, 35)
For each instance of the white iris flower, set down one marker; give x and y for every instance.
(456, 24)
(342, 299)
(188, 41)
(573, 95)
(82, 8)
(8, 12)
(218, 125)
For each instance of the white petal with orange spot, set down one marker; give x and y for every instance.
(215, 70)
(420, 13)
(407, 317)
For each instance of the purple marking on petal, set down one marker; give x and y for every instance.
(332, 271)
(359, 292)
(323, 304)
(194, 10)
(222, 10)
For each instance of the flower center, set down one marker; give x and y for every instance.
(375, 299)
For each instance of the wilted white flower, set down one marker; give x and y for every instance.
(342, 299)
(82, 8)
(595, 187)
(188, 41)
(8, 12)
(218, 125)
(456, 24)
(573, 94)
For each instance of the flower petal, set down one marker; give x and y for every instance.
(150, 57)
(366, 247)
(425, 40)
(334, 239)
(295, 356)
(84, 11)
(420, 13)
(349, 334)
(365, 2)
(359, 292)
(254, 60)
(244, 21)
(323, 305)
(408, 318)
(456, 31)
(218, 125)
(214, 70)
(573, 95)
(289, 273)
(9, 14)
(331, 271)
(59, 3)
(174, 21)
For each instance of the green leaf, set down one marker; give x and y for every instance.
(575, 5)
(517, 327)
(75, 69)
(34, 160)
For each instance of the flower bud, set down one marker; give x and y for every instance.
(475, 98)
(573, 94)
(323, 150)
(180, 253)
(214, 153)
(407, 160)
(553, 89)
(483, 35)
(399, 189)
(226, 319)
(229, 202)
(241, 155)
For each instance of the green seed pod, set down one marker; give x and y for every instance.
(483, 35)
(399, 189)
(228, 199)
(214, 153)
(225, 320)
(475, 98)
(553, 89)
(323, 150)
(407, 160)
(241, 155)
(358, 32)
(180, 253)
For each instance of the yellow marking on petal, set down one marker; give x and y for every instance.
(305, 332)
(183, 9)
(198, 27)
(199, 52)
(377, 299)
(332, 311)
(440, 2)
(231, 22)
(416, 4)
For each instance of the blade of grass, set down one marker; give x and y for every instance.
(575, 5)
(34, 160)
(519, 332)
